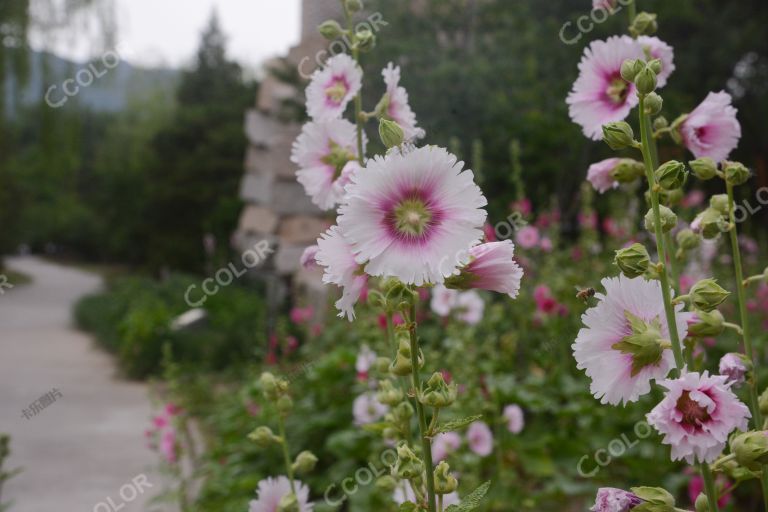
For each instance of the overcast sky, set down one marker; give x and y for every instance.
(167, 32)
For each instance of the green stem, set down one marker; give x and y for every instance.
(709, 486)
(426, 445)
(673, 263)
(401, 381)
(359, 96)
(632, 10)
(286, 451)
(660, 248)
(745, 330)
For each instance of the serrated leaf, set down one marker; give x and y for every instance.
(457, 424)
(472, 501)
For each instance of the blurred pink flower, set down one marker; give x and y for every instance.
(528, 237)
(168, 445)
(712, 129)
(515, 418)
(301, 315)
(480, 438)
(271, 490)
(523, 206)
(693, 199)
(599, 175)
(696, 487)
(444, 444)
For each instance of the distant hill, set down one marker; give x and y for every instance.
(111, 89)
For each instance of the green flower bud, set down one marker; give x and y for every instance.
(268, 384)
(645, 344)
(706, 295)
(671, 175)
(653, 104)
(445, 482)
(353, 6)
(703, 168)
(402, 364)
(628, 170)
(408, 465)
(284, 405)
(688, 240)
(646, 81)
(630, 68)
(660, 123)
(644, 24)
(655, 496)
(436, 393)
(751, 449)
(263, 437)
(708, 324)
(736, 173)
(305, 462)
(702, 503)
(390, 434)
(655, 65)
(668, 220)
(382, 365)
(391, 134)
(366, 40)
(720, 203)
(288, 503)
(389, 394)
(330, 29)
(403, 412)
(633, 260)
(763, 402)
(711, 223)
(386, 484)
(618, 135)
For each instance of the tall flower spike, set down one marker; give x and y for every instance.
(333, 87)
(326, 153)
(620, 347)
(413, 216)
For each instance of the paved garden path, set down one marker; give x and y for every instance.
(87, 445)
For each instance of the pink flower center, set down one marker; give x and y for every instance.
(412, 217)
(694, 415)
(617, 90)
(336, 90)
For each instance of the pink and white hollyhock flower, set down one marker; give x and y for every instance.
(444, 444)
(617, 376)
(398, 108)
(443, 300)
(333, 87)
(272, 490)
(615, 500)
(335, 254)
(515, 418)
(470, 307)
(712, 129)
(365, 360)
(413, 216)
(480, 438)
(493, 268)
(326, 153)
(599, 95)
(168, 445)
(733, 367)
(600, 175)
(696, 416)
(658, 49)
(528, 237)
(309, 257)
(367, 409)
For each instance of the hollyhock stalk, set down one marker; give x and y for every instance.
(745, 330)
(646, 138)
(359, 96)
(425, 441)
(286, 452)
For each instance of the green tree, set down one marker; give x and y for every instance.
(193, 188)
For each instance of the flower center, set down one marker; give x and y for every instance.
(617, 90)
(336, 91)
(694, 414)
(337, 158)
(412, 217)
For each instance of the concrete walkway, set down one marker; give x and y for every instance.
(87, 445)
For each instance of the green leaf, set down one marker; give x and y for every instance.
(457, 424)
(472, 501)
